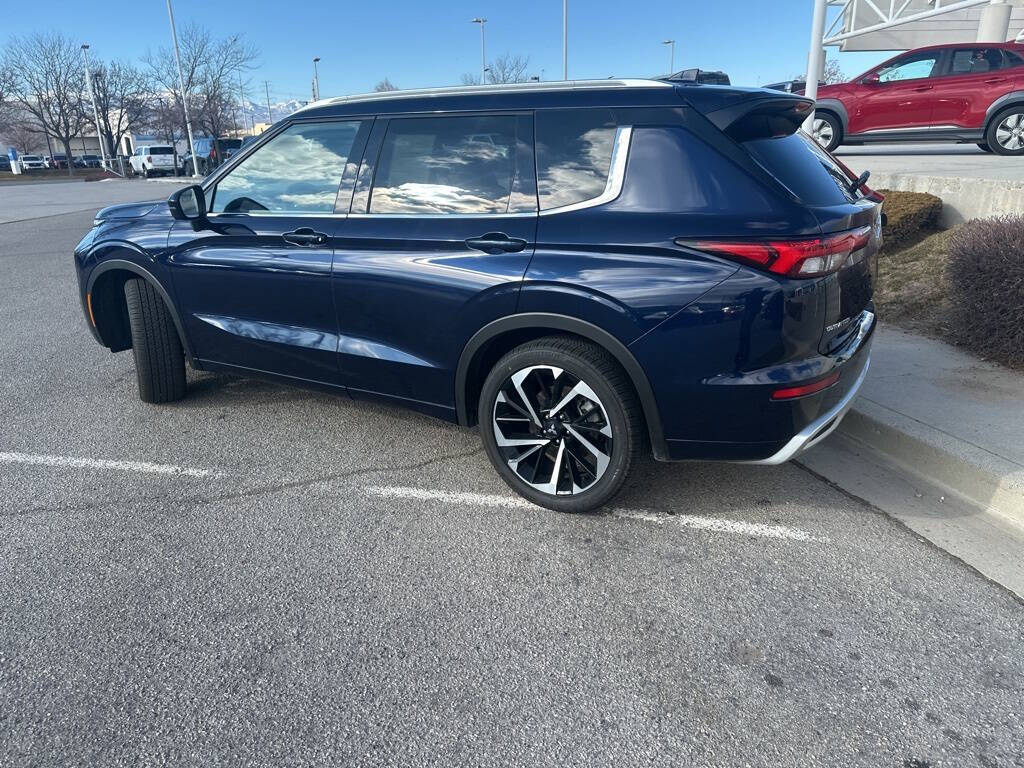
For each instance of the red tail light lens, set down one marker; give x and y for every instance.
(812, 257)
(788, 393)
(149, 159)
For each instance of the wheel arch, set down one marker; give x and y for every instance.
(1011, 99)
(106, 302)
(835, 107)
(499, 336)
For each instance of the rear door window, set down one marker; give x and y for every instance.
(456, 165)
(297, 171)
(574, 155)
(971, 61)
(803, 167)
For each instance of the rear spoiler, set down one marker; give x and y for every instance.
(763, 117)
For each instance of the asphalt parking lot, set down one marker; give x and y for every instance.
(262, 575)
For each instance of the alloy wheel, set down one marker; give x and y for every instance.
(822, 132)
(552, 430)
(1010, 131)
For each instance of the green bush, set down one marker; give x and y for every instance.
(909, 215)
(985, 273)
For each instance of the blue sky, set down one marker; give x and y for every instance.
(427, 43)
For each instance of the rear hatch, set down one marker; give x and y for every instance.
(767, 126)
(162, 157)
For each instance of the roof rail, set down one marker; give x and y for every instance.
(469, 90)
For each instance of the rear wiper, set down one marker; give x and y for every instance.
(859, 182)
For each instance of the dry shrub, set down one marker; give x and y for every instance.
(909, 216)
(985, 273)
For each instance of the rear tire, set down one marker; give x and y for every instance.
(1005, 132)
(544, 459)
(827, 130)
(159, 357)
(145, 172)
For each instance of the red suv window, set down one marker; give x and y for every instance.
(970, 61)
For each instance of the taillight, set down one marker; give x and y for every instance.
(149, 159)
(801, 390)
(811, 257)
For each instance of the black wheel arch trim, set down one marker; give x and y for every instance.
(835, 106)
(130, 266)
(563, 323)
(1011, 99)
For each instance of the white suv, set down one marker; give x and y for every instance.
(153, 160)
(32, 163)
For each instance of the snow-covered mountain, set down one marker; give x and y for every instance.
(256, 112)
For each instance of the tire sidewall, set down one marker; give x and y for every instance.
(990, 132)
(618, 466)
(837, 130)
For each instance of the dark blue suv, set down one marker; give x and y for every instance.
(582, 269)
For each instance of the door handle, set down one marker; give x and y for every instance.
(994, 80)
(305, 236)
(922, 88)
(496, 242)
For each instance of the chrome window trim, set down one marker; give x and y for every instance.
(613, 184)
(276, 214)
(414, 215)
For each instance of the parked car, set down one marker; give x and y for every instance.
(89, 161)
(32, 163)
(153, 160)
(210, 153)
(789, 86)
(620, 263)
(967, 93)
(59, 161)
(701, 76)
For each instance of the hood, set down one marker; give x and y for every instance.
(832, 91)
(126, 210)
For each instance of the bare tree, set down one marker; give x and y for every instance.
(209, 67)
(122, 96)
(385, 85)
(7, 110)
(504, 69)
(832, 73)
(26, 137)
(49, 84)
(508, 69)
(163, 120)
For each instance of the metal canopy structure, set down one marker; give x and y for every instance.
(886, 25)
(896, 25)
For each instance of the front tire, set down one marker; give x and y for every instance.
(827, 130)
(560, 423)
(159, 357)
(1005, 133)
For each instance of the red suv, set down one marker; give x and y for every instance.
(972, 92)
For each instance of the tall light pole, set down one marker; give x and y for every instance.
(95, 112)
(316, 80)
(270, 112)
(671, 55)
(184, 96)
(483, 58)
(565, 39)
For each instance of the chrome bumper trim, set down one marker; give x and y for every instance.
(818, 429)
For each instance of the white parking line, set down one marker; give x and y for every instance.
(79, 463)
(699, 522)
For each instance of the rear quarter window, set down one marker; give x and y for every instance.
(803, 167)
(574, 155)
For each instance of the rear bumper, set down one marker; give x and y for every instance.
(821, 427)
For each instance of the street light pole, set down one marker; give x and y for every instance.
(671, 55)
(565, 39)
(270, 112)
(92, 98)
(483, 58)
(184, 96)
(316, 80)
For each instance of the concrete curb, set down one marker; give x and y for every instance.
(984, 480)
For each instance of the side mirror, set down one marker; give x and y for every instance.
(872, 79)
(188, 204)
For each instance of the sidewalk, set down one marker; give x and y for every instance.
(936, 439)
